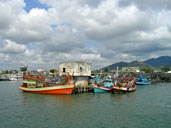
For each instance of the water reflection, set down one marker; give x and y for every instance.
(46, 99)
(118, 97)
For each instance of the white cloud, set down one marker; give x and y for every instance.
(29, 52)
(12, 47)
(157, 34)
(31, 27)
(121, 31)
(64, 39)
(148, 4)
(9, 9)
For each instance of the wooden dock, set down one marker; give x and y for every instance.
(83, 89)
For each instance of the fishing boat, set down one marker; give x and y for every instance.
(104, 85)
(124, 86)
(40, 84)
(108, 81)
(101, 88)
(142, 81)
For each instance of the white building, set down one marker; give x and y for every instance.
(80, 70)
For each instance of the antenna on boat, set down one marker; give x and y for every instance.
(101, 72)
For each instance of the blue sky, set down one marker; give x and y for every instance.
(34, 4)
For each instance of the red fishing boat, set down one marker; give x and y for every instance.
(45, 85)
(127, 85)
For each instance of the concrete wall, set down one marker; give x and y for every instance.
(81, 80)
(79, 68)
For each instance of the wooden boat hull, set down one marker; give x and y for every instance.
(122, 89)
(101, 89)
(63, 89)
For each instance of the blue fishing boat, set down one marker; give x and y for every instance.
(142, 81)
(108, 81)
(100, 88)
(104, 85)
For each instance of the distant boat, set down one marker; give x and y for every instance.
(4, 77)
(143, 81)
(13, 78)
(39, 85)
(124, 86)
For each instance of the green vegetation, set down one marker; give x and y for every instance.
(9, 72)
(166, 69)
(147, 70)
(106, 70)
(23, 69)
(52, 70)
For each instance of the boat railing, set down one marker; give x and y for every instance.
(44, 79)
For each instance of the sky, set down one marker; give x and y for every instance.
(42, 33)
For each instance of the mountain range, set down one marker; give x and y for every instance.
(150, 63)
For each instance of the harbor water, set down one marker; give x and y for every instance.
(148, 107)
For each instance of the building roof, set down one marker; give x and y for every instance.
(79, 62)
(130, 68)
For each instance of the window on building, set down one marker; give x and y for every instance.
(64, 70)
(81, 69)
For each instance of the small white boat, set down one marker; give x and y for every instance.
(13, 78)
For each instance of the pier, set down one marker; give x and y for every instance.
(83, 89)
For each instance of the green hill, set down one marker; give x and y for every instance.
(150, 63)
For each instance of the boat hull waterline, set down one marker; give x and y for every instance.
(143, 83)
(63, 89)
(101, 89)
(123, 89)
